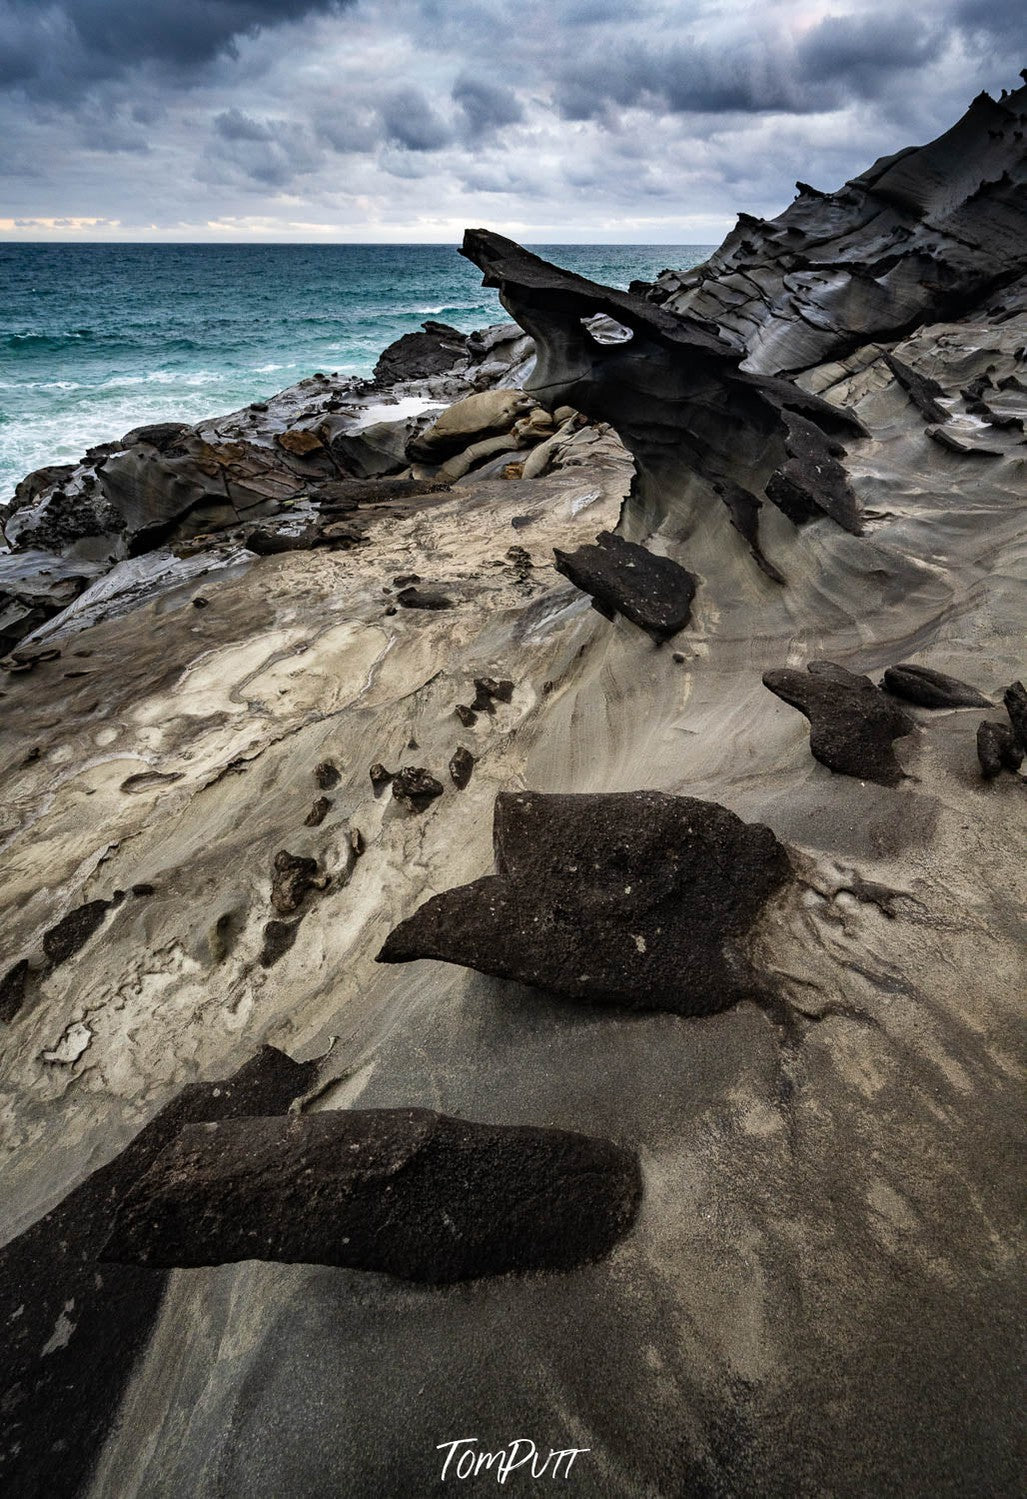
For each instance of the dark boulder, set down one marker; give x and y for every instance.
(423, 598)
(653, 592)
(326, 775)
(318, 812)
(852, 723)
(71, 1327)
(1015, 699)
(490, 690)
(932, 689)
(461, 767)
(415, 787)
(997, 749)
(406, 1191)
(435, 350)
(634, 898)
(74, 931)
(12, 990)
(293, 879)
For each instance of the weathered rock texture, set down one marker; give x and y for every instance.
(852, 723)
(932, 689)
(654, 592)
(640, 900)
(407, 1191)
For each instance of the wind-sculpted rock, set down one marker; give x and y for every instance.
(932, 689)
(674, 390)
(852, 723)
(997, 749)
(465, 422)
(406, 1191)
(632, 898)
(921, 235)
(434, 350)
(653, 592)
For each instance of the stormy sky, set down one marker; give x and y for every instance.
(552, 120)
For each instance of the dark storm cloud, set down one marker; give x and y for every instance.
(486, 106)
(75, 42)
(409, 120)
(862, 54)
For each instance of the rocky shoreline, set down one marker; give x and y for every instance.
(662, 1048)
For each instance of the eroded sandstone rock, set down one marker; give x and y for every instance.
(632, 898)
(406, 1191)
(997, 749)
(852, 723)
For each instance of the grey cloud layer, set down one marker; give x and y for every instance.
(360, 112)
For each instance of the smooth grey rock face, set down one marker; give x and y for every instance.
(852, 723)
(407, 1191)
(634, 899)
(654, 592)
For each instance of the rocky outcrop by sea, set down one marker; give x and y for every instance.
(512, 872)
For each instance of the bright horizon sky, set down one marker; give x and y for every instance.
(403, 121)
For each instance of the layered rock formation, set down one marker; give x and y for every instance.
(820, 1291)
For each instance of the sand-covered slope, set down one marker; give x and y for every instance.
(819, 1294)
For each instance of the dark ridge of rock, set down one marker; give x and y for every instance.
(350, 494)
(635, 899)
(160, 435)
(1015, 700)
(744, 509)
(674, 391)
(653, 592)
(407, 1192)
(424, 598)
(293, 879)
(279, 937)
(415, 787)
(461, 767)
(326, 775)
(12, 990)
(380, 777)
(71, 1327)
(488, 691)
(931, 689)
(73, 931)
(997, 748)
(35, 483)
(36, 585)
(433, 351)
(922, 390)
(318, 812)
(852, 723)
(920, 237)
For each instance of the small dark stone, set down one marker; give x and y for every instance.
(1015, 699)
(405, 579)
(997, 748)
(144, 889)
(293, 879)
(461, 767)
(380, 777)
(490, 690)
(679, 658)
(409, 1192)
(852, 722)
(416, 787)
(326, 775)
(412, 743)
(424, 598)
(318, 812)
(33, 755)
(12, 990)
(466, 715)
(200, 602)
(635, 899)
(74, 931)
(279, 936)
(653, 592)
(931, 689)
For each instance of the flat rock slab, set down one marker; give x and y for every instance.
(632, 898)
(852, 722)
(932, 689)
(407, 1191)
(653, 592)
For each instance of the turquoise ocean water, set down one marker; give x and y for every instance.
(96, 339)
